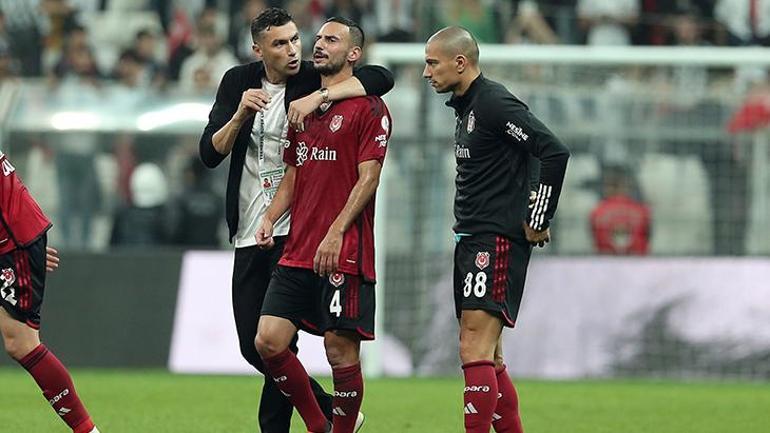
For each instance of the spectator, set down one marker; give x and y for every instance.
(395, 19)
(145, 221)
(240, 31)
(129, 71)
(196, 211)
(474, 16)
(620, 224)
(24, 24)
(153, 71)
(608, 22)
(77, 62)
(8, 65)
(206, 67)
(528, 25)
(747, 21)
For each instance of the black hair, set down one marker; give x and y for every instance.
(268, 18)
(356, 32)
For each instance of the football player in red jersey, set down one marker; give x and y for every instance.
(325, 280)
(24, 260)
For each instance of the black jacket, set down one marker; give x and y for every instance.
(498, 143)
(375, 79)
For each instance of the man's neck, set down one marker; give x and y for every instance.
(466, 82)
(330, 80)
(274, 77)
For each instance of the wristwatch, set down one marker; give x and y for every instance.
(324, 95)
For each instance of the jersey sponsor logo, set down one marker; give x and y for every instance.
(346, 394)
(482, 260)
(471, 122)
(516, 132)
(337, 279)
(382, 139)
(336, 123)
(314, 154)
(301, 153)
(462, 152)
(324, 154)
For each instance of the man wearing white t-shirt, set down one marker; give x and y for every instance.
(608, 22)
(249, 120)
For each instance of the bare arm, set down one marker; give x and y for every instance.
(327, 256)
(371, 80)
(301, 107)
(280, 204)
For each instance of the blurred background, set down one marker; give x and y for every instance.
(658, 265)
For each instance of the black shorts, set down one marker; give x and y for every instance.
(489, 274)
(22, 278)
(317, 305)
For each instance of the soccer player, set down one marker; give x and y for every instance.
(24, 260)
(249, 121)
(325, 280)
(497, 145)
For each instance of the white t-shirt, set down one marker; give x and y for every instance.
(608, 33)
(735, 15)
(263, 169)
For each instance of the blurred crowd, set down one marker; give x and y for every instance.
(152, 42)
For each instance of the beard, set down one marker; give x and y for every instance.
(330, 68)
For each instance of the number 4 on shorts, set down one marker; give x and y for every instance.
(335, 307)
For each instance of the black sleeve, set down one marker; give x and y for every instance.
(511, 120)
(377, 80)
(225, 106)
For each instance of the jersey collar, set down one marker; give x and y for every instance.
(459, 102)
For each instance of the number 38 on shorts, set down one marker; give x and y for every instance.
(489, 273)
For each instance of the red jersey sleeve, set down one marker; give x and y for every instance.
(375, 127)
(290, 152)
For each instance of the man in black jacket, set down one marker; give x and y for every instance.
(498, 143)
(254, 105)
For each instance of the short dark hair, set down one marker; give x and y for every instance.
(356, 32)
(268, 18)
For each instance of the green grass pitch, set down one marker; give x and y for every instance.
(159, 402)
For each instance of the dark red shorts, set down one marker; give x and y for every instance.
(316, 305)
(22, 282)
(489, 274)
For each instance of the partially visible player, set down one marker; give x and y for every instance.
(497, 145)
(24, 260)
(325, 280)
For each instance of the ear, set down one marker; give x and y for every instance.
(354, 54)
(461, 62)
(257, 51)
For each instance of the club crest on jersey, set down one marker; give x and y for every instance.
(337, 279)
(336, 123)
(471, 122)
(482, 260)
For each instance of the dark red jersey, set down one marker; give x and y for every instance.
(327, 155)
(21, 219)
(621, 225)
